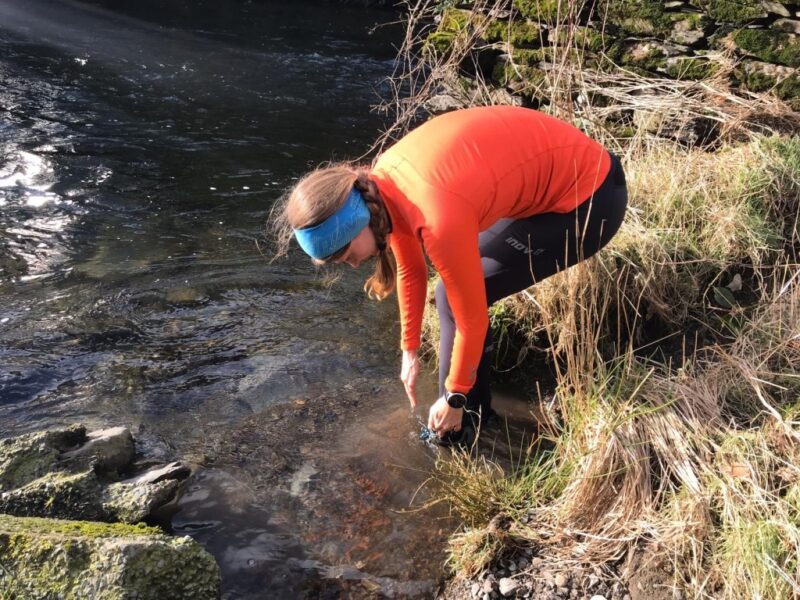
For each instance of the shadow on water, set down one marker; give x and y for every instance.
(141, 147)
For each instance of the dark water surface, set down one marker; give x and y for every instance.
(141, 145)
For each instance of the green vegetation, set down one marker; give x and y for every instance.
(735, 12)
(520, 33)
(73, 560)
(651, 18)
(770, 46)
(542, 11)
(695, 68)
(670, 426)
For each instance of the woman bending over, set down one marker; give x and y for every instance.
(497, 198)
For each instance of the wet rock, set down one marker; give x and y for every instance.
(28, 457)
(132, 502)
(70, 474)
(107, 450)
(52, 558)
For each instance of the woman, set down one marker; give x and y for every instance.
(498, 198)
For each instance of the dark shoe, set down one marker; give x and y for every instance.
(463, 438)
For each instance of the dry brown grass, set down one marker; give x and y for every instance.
(699, 462)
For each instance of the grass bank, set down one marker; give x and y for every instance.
(693, 452)
(669, 364)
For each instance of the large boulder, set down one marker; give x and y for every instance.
(50, 559)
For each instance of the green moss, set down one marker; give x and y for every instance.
(518, 33)
(439, 42)
(541, 11)
(789, 88)
(91, 529)
(29, 456)
(528, 81)
(582, 39)
(68, 560)
(650, 18)
(736, 12)
(757, 81)
(770, 46)
(693, 68)
(455, 20)
(589, 39)
(530, 57)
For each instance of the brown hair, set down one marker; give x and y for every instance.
(321, 193)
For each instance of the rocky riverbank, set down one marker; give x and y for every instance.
(71, 507)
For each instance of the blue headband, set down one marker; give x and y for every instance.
(338, 230)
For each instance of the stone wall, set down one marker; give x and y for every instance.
(753, 44)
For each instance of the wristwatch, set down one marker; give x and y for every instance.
(455, 399)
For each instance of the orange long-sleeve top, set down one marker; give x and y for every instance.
(455, 176)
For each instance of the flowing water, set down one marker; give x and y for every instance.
(141, 147)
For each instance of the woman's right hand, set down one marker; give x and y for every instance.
(408, 375)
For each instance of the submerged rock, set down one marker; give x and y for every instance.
(74, 560)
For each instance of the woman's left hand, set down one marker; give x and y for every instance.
(443, 418)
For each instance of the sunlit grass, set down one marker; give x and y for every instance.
(696, 461)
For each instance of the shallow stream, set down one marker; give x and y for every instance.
(140, 149)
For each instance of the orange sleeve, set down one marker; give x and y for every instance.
(412, 283)
(451, 242)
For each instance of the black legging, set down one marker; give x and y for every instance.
(515, 254)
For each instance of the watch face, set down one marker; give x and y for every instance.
(456, 400)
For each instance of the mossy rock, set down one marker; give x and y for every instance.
(58, 494)
(694, 68)
(49, 559)
(734, 12)
(439, 42)
(583, 39)
(650, 56)
(541, 11)
(789, 90)
(651, 18)
(530, 57)
(526, 81)
(27, 457)
(520, 33)
(762, 77)
(453, 28)
(769, 46)
(455, 20)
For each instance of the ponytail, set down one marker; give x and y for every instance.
(382, 281)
